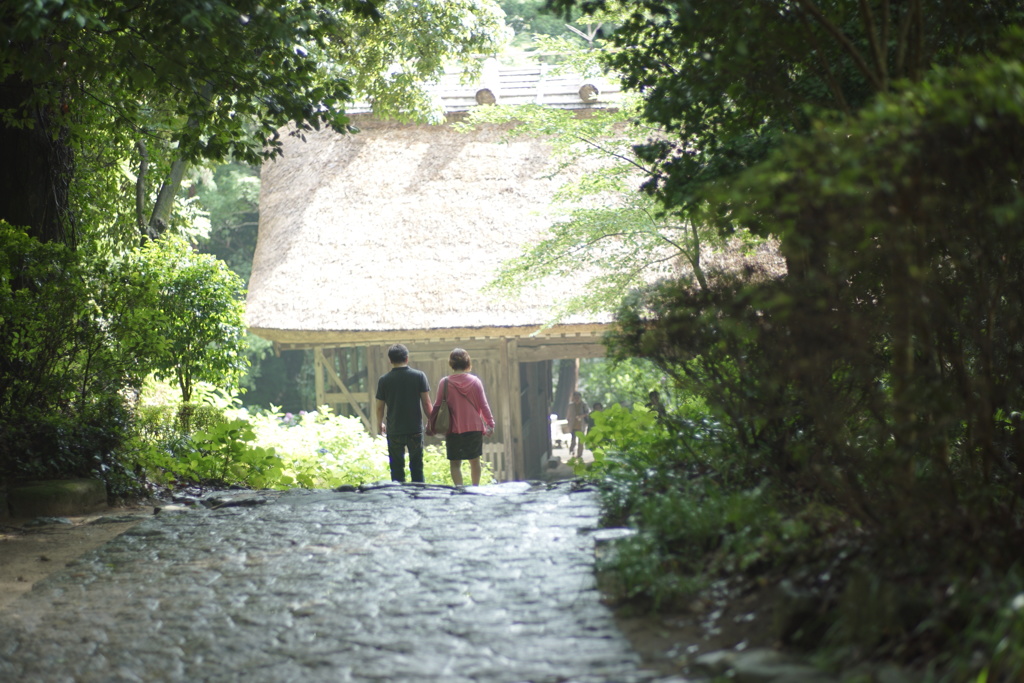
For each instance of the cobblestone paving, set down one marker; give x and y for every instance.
(397, 583)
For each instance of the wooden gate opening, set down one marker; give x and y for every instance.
(517, 375)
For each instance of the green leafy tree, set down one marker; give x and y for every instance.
(885, 381)
(165, 83)
(723, 103)
(104, 106)
(532, 21)
(913, 240)
(724, 82)
(612, 236)
(887, 377)
(230, 194)
(615, 237)
(878, 379)
(76, 337)
(627, 382)
(201, 304)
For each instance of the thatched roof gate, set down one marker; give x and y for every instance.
(391, 234)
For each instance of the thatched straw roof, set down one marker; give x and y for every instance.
(393, 232)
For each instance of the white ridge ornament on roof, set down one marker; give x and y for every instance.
(546, 84)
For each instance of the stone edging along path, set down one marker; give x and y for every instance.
(387, 583)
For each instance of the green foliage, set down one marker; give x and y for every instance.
(322, 449)
(226, 454)
(124, 91)
(211, 64)
(626, 382)
(162, 429)
(269, 449)
(994, 610)
(717, 344)
(197, 444)
(327, 450)
(640, 572)
(528, 19)
(201, 305)
(619, 431)
(636, 440)
(230, 193)
(907, 250)
(726, 82)
(390, 62)
(671, 484)
(636, 436)
(205, 73)
(160, 424)
(76, 442)
(613, 238)
(880, 372)
(79, 337)
(73, 341)
(878, 379)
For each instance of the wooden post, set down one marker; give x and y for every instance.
(502, 418)
(516, 442)
(589, 93)
(374, 369)
(318, 377)
(508, 374)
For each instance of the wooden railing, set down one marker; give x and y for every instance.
(497, 457)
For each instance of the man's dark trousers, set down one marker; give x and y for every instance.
(396, 454)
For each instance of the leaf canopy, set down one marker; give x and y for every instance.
(727, 81)
(161, 81)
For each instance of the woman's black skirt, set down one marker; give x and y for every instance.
(465, 446)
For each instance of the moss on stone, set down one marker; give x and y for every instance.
(56, 497)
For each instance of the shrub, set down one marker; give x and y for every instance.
(200, 305)
(269, 450)
(881, 372)
(870, 398)
(72, 347)
(326, 450)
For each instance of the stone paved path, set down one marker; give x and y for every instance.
(398, 583)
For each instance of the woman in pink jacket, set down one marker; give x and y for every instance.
(470, 413)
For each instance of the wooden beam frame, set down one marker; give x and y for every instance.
(534, 354)
(305, 339)
(502, 358)
(320, 366)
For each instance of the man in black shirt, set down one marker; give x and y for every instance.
(404, 392)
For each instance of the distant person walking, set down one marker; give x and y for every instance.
(405, 394)
(470, 413)
(655, 405)
(577, 419)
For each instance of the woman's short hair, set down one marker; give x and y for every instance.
(459, 360)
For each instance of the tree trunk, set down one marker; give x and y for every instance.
(161, 217)
(36, 167)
